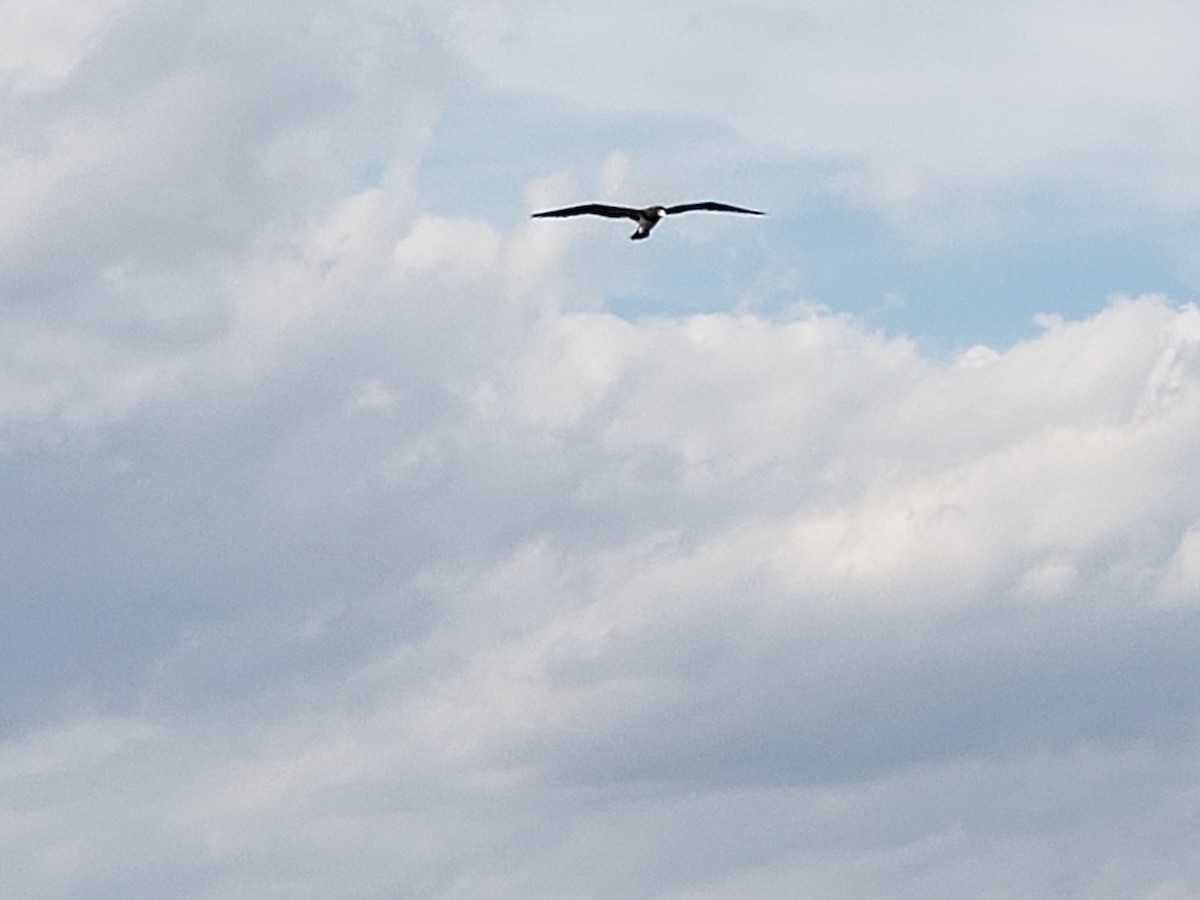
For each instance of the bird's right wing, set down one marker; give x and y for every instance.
(590, 209)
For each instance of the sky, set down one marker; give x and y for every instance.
(363, 537)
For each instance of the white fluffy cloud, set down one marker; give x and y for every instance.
(353, 549)
(697, 597)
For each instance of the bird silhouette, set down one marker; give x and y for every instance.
(646, 217)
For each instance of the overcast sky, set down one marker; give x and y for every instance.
(362, 537)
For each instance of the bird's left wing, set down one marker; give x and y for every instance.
(590, 209)
(711, 206)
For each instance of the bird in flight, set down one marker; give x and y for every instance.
(646, 217)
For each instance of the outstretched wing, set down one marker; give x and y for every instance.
(711, 206)
(590, 209)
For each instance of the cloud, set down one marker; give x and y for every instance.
(607, 575)
(45, 42)
(352, 547)
(918, 104)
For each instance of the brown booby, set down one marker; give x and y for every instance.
(646, 218)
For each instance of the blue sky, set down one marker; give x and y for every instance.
(364, 537)
(1048, 244)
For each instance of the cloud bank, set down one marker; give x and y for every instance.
(355, 549)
